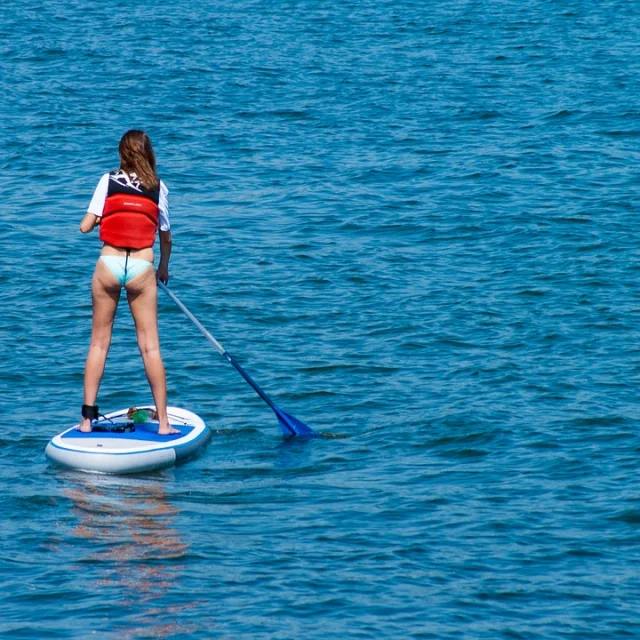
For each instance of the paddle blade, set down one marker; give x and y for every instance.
(291, 426)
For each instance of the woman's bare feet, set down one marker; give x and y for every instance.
(85, 425)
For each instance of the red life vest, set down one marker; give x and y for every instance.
(130, 215)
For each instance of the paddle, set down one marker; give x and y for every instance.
(290, 425)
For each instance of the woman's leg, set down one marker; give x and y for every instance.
(105, 293)
(142, 294)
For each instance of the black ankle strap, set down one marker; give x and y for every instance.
(90, 411)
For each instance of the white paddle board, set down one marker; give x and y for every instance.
(118, 445)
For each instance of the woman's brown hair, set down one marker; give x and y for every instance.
(136, 156)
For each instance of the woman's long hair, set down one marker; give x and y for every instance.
(136, 156)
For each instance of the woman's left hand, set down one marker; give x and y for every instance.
(162, 274)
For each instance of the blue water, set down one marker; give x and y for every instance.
(416, 225)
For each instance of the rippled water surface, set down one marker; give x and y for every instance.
(416, 225)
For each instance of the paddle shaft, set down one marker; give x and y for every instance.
(217, 345)
(191, 317)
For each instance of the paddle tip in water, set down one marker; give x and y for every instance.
(292, 427)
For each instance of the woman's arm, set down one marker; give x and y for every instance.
(165, 252)
(92, 218)
(89, 223)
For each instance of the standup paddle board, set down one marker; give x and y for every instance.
(128, 442)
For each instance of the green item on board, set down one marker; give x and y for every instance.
(140, 416)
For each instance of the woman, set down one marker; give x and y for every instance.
(129, 204)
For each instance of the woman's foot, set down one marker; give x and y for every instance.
(85, 425)
(167, 430)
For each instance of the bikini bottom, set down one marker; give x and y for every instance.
(125, 269)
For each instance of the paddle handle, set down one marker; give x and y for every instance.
(191, 317)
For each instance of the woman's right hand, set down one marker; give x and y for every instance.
(89, 223)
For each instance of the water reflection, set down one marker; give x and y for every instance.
(129, 528)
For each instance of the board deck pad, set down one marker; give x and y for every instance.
(146, 431)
